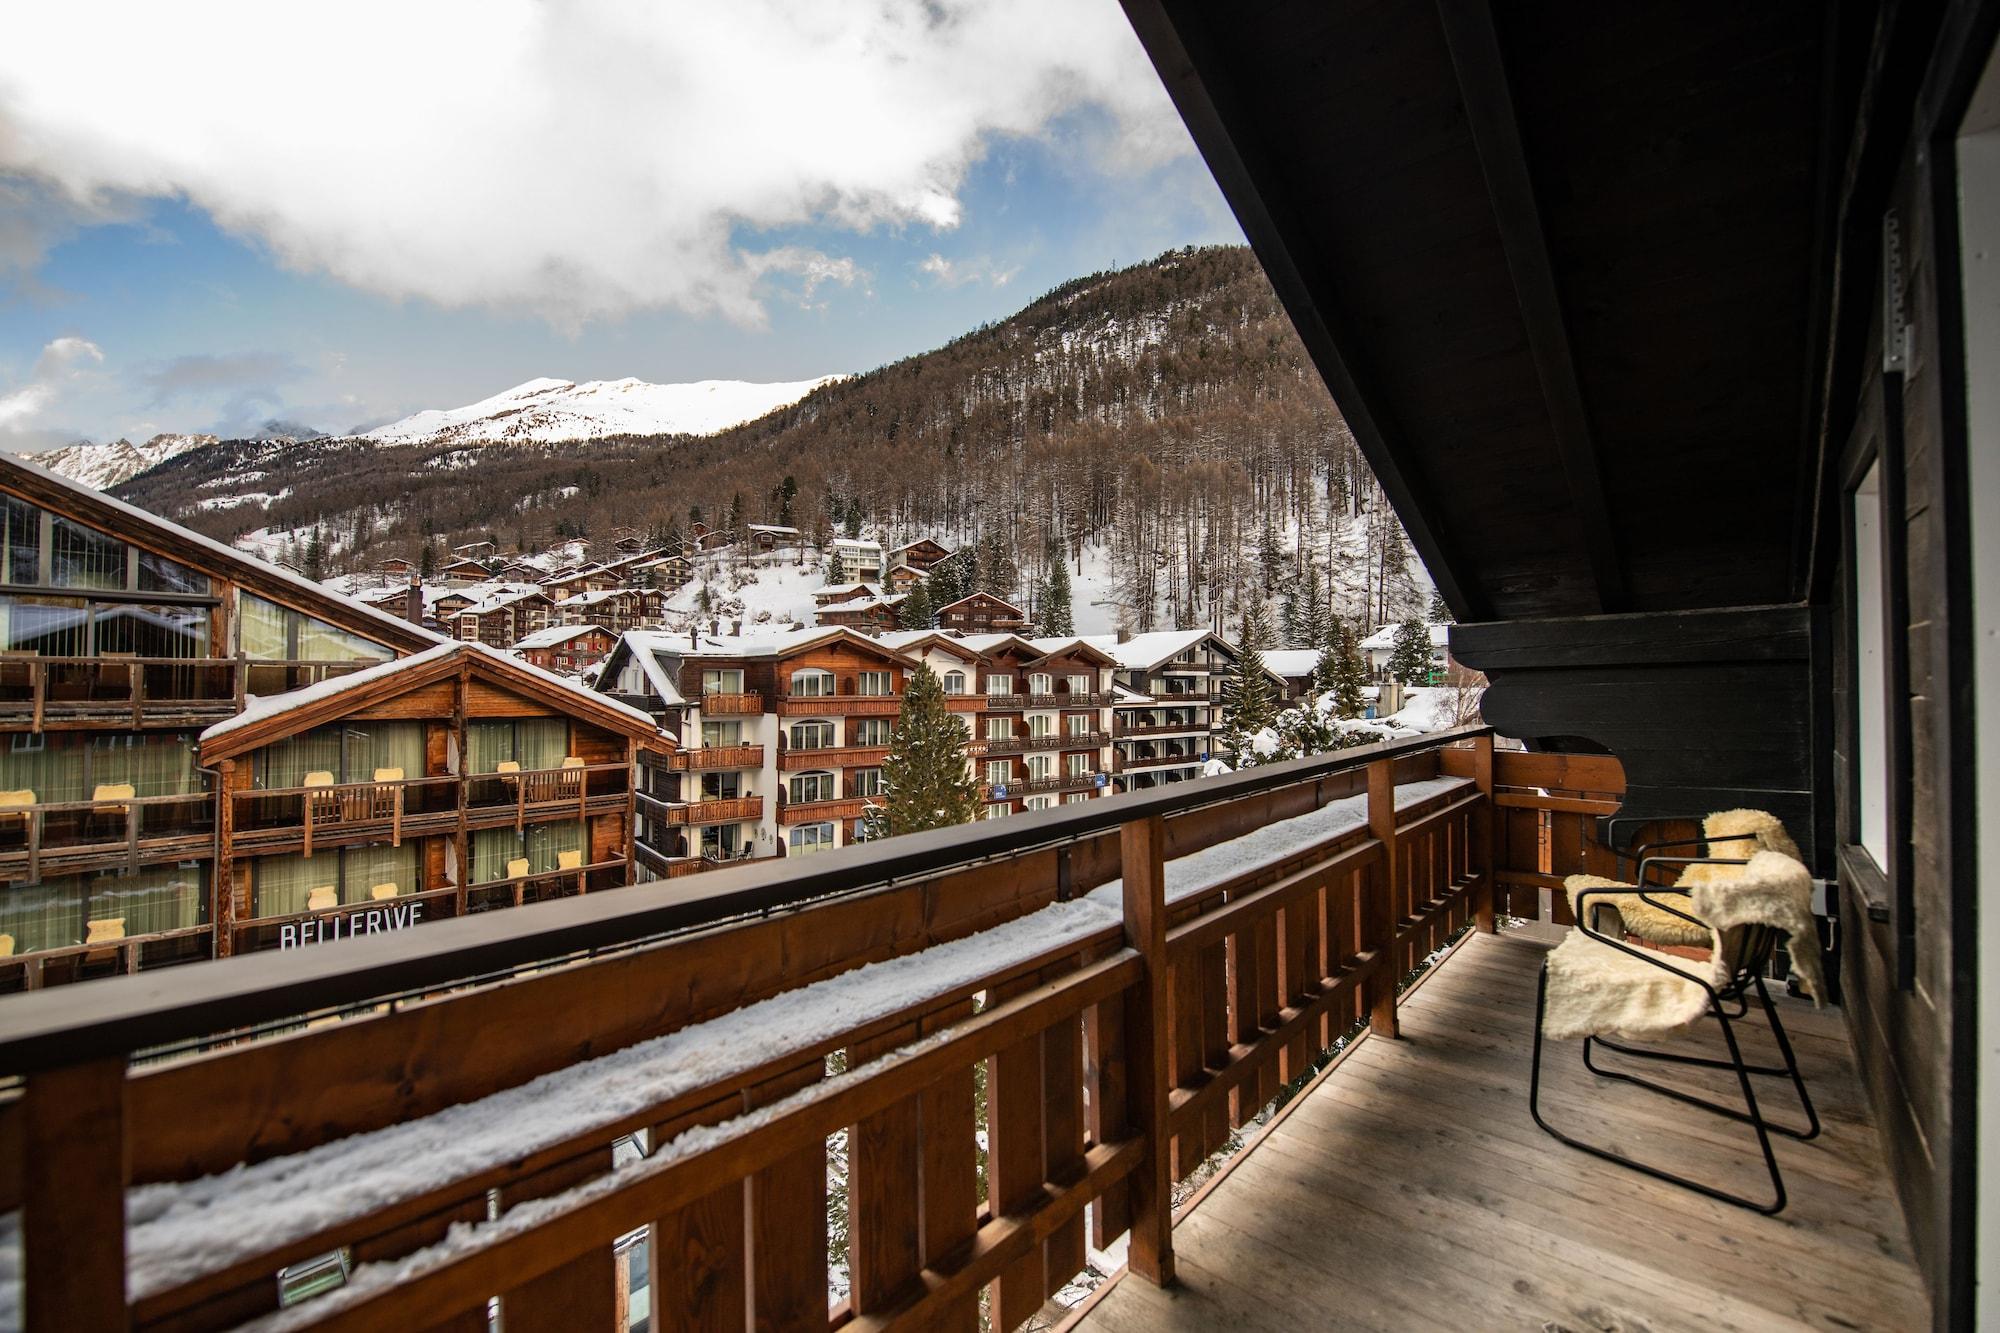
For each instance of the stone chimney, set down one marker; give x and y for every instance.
(1124, 634)
(413, 600)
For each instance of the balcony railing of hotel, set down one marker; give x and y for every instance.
(1055, 740)
(718, 810)
(1123, 729)
(39, 838)
(840, 705)
(116, 690)
(1064, 699)
(711, 757)
(1101, 1092)
(1123, 763)
(832, 756)
(732, 705)
(271, 819)
(846, 806)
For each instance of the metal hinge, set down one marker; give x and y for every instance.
(1896, 331)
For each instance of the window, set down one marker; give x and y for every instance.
(540, 845)
(807, 839)
(1079, 685)
(20, 542)
(999, 810)
(868, 782)
(954, 682)
(56, 913)
(811, 787)
(722, 842)
(1076, 765)
(999, 728)
(272, 633)
(286, 885)
(721, 786)
(1041, 766)
(722, 681)
(1078, 724)
(999, 684)
(1041, 683)
(81, 557)
(812, 736)
(1871, 674)
(871, 731)
(352, 753)
(812, 683)
(999, 773)
(532, 742)
(1075, 797)
(1039, 803)
(1041, 724)
(721, 733)
(875, 683)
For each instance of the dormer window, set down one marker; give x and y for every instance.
(812, 683)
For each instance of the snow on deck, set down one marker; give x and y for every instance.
(180, 1230)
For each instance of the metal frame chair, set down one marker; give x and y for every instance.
(1752, 957)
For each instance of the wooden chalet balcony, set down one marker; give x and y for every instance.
(1060, 740)
(1282, 909)
(1122, 730)
(1197, 699)
(1002, 703)
(840, 705)
(51, 838)
(113, 690)
(712, 757)
(729, 810)
(1063, 782)
(732, 705)
(1067, 700)
(816, 812)
(1123, 763)
(834, 756)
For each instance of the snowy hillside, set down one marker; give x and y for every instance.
(101, 466)
(547, 411)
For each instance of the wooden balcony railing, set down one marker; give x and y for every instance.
(1123, 729)
(1123, 763)
(66, 837)
(840, 705)
(732, 705)
(116, 690)
(1100, 1093)
(712, 757)
(725, 811)
(1064, 699)
(1003, 703)
(834, 756)
(544, 886)
(814, 812)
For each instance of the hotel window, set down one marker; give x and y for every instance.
(20, 542)
(1041, 683)
(810, 787)
(999, 728)
(721, 786)
(999, 773)
(60, 766)
(1075, 797)
(1076, 765)
(540, 845)
(1078, 724)
(875, 684)
(271, 633)
(722, 681)
(812, 683)
(868, 782)
(289, 885)
(1871, 672)
(871, 731)
(1039, 803)
(721, 734)
(809, 838)
(534, 743)
(812, 736)
(353, 753)
(722, 842)
(1079, 685)
(1041, 766)
(56, 913)
(954, 682)
(999, 810)
(999, 684)
(1041, 724)
(81, 557)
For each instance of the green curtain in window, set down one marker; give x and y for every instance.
(282, 885)
(42, 916)
(377, 745)
(543, 741)
(492, 849)
(50, 765)
(156, 764)
(260, 629)
(544, 841)
(365, 867)
(154, 899)
(487, 744)
(286, 763)
(321, 642)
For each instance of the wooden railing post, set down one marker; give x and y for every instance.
(1482, 831)
(1381, 907)
(73, 1198)
(1142, 846)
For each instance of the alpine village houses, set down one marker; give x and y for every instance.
(206, 755)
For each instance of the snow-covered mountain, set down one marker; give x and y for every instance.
(102, 466)
(547, 411)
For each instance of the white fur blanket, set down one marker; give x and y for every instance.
(1730, 834)
(1595, 989)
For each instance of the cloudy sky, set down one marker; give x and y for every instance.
(213, 215)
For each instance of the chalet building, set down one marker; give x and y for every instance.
(764, 538)
(981, 613)
(917, 556)
(453, 781)
(395, 567)
(1044, 722)
(464, 571)
(902, 578)
(1169, 707)
(1378, 648)
(617, 609)
(869, 615)
(504, 617)
(855, 560)
(781, 740)
(1293, 666)
(835, 593)
(665, 572)
(479, 550)
(566, 648)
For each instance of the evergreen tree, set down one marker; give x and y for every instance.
(916, 612)
(926, 781)
(1056, 615)
(788, 491)
(313, 562)
(1248, 702)
(940, 586)
(427, 562)
(1350, 673)
(1410, 662)
(1440, 614)
(694, 515)
(736, 515)
(851, 526)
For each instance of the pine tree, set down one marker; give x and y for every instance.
(926, 781)
(1057, 619)
(1248, 702)
(313, 562)
(788, 491)
(851, 526)
(1410, 662)
(916, 612)
(1350, 673)
(736, 516)
(427, 563)
(1439, 614)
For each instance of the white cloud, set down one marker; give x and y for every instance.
(576, 162)
(24, 410)
(958, 272)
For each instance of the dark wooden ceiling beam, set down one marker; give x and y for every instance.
(1496, 134)
(1176, 36)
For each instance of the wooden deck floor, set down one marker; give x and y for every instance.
(1411, 1190)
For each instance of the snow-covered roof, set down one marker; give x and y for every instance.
(229, 555)
(555, 636)
(1142, 652)
(776, 643)
(915, 641)
(1289, 662)
(773, 528)
(1124, 698)
(1049, 646)
(889, 602)
(975, 596)
(857, 544)
(593, 598)
(842, 589)
(1384, 639)
(501, 600)
(258, 708)
(921, 541)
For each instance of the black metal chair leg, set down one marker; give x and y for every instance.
(1755, 1120)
